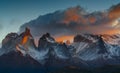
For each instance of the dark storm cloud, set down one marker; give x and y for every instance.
(76, 20)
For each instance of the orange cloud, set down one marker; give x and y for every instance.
(114, 12)
(74, 15)
(112, 32)
(92, 19)
(71, 16)
(63, 38)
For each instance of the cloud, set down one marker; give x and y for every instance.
(15, 21)
(75, 20)
(114, 12)
(1, 26)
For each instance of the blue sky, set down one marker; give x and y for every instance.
(14, 13)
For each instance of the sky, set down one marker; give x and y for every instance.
(14, 13)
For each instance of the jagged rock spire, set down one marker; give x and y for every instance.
(101, 44)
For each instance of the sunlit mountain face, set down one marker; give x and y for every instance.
(69, 39)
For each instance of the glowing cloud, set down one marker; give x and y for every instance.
(75, 20)
(64, 38)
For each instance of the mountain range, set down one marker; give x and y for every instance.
(86, 53)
